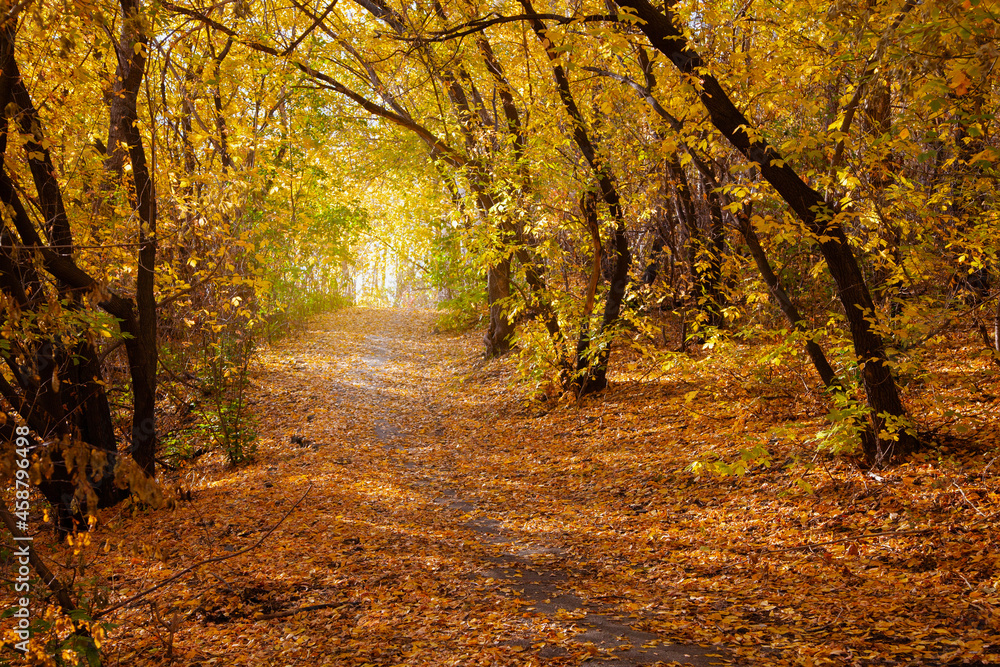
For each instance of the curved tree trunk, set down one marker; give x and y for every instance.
(820, 218)
(125, 143)
(618, 249)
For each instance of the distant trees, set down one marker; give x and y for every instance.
(603, 165)
(715, 194)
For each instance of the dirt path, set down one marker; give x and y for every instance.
(377, 397)
(407, 507)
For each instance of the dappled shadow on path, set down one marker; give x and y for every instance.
(403, 389)
(442, 520)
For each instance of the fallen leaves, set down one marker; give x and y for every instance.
(448, 524)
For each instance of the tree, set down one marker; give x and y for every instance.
(56, 385)
(592, 363)
(891, 433)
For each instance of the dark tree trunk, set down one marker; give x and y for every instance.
(500, 329)
(534, 273)
(819, 217)
(815, 352)
(704, 259)
(617, 250)
(58, 390)
(716, 250)
(125, 142)
(220, 119)
(588, 209)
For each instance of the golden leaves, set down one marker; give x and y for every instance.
(413, 443)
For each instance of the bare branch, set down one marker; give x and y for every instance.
(216, 559)
(481, 24)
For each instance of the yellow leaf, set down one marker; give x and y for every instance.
(959, 82)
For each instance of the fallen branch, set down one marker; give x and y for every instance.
(54, 584)
(966, 499)
(852, 538)
(297, 610)
(216, 559)
(322, 605)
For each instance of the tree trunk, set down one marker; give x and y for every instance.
(815, 352)
(125, 142)
(500, 329)
(715, 249)
(889, 419)
(533, 267)
(58, 390)
(703, 261)
(588, 208)
(597, 377)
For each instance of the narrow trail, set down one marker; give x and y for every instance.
(407, 506)
(376, 413)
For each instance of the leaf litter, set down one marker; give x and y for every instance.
(445, 519)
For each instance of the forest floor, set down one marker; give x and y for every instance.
(410, 506)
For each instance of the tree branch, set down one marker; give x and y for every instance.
(187, 570)
(480, 24)
(54, 584)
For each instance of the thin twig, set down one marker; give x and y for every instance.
(191, 288)
(480, 25)
(216, 559)
(107, 353)
(164, 463)
(966, 499)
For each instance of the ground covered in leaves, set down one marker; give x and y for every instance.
(410, 506)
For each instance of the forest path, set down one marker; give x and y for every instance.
(408, 506)
(414, 436)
